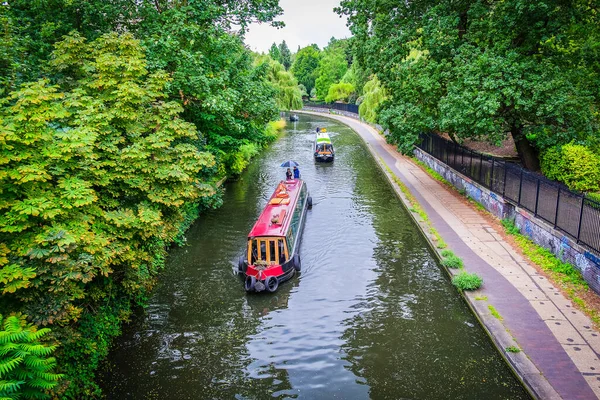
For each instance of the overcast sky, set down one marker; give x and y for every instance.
(306, 22)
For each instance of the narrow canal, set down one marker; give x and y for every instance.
(372, 315)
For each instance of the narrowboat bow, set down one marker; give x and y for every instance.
(272, 253)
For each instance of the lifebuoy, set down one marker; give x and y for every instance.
(249, 283)
(271, 283)
(296, 262)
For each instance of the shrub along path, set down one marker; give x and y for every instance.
(518, 306)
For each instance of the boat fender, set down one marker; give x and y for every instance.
(296, 262)
(271, 283)
(242, 264)
(249, 283)
(309, 202)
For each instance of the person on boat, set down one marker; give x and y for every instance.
(296, 173)
(288, 175)
(318, 129)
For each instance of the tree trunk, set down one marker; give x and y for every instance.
(527, 153)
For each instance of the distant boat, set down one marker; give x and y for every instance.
(323, 147)
(294, 118)
(272, 253)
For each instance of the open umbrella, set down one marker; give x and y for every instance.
(290, 164)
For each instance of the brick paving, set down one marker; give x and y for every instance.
(560, 347)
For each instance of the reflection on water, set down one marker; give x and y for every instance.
(371, 315)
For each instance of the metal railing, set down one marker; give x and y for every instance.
(351, 108)
(571, 212)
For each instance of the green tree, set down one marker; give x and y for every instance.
(25, 368)
(275, 53)
(90, 174)
(289, 95)
(332, 67)
(285, 55)
(373, 98)
(340, 91)
(305, 66)
(483, 70)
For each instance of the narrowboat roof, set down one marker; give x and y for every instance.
(277, 214)
(323, 137)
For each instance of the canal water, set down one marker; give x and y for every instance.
(372, 314)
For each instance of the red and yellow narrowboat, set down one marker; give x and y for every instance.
(272, 253)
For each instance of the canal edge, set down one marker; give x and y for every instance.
(522, 367)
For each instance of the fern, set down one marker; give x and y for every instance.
(24, 363)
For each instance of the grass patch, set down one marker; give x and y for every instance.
(513, 349)
(484, 298)
(546, 260)
(510, 227)
(495, 312)
(434, 174)
(447, 253)
(440, 242)
(467, 281)
(452, 261)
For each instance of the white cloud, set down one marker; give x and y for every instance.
(306, 22)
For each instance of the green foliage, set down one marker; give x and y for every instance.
(561, 271)
(495, 312)
(275, 53)
(90, 172)
(331, 69)
(102, 161)
(305, 66)
(480, 70)
(466, 281)
(285, 56)
(575, 165)
(26, 370)
(510, 226)
(452, 261)
(340, 91)
(447, 253)
(373, 97)
(513, 349)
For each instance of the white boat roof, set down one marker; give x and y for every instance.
(323, 137)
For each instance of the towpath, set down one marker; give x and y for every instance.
(559, 346)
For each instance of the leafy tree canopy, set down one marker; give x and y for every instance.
(480, 70)
(332, 67)
(340, 91)
(285, 55)
(305, 66)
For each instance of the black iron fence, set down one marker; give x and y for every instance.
(351, 108)
(568, 211)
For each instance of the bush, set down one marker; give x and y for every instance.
(466, 281)
(575, 165)
(452, 261)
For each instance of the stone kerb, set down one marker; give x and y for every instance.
(541, 233)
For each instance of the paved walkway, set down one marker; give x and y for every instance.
(559, 357)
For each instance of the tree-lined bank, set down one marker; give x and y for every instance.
(117, 121)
